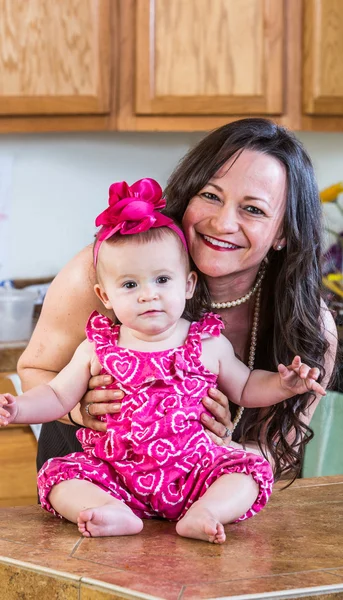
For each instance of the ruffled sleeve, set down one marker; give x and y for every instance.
(101, 330)
(210, 325)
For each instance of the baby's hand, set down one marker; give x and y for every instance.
(298, 378)
(8, 409)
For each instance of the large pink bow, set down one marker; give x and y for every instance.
(133, 209)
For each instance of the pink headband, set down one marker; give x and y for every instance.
(133, 209)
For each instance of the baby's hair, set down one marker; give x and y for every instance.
(196, 306)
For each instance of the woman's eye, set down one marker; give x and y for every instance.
(162, 279)
(129, 285)
(209, 196)
(254, 210)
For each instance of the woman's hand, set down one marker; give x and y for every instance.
(97, 402)
(218, 426)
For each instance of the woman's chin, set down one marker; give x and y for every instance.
(210, 267)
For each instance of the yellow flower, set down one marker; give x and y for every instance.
(330, 193)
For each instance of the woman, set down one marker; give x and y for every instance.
(248, 202)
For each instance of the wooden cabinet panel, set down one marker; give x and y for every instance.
(205, 57)
(323, 57)
(18, 449)
(193, 65)
(18, 474)
(54, 57)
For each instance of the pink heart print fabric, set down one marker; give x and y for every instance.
(156, 455)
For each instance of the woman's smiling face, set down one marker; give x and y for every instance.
(235, 219)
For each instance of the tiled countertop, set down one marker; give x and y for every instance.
(292, 549)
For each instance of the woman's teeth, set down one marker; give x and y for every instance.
(215, 242)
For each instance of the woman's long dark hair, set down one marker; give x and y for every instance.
(290, 317)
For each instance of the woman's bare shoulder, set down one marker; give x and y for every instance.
(71, 294)
(78, 272)
(61, 325)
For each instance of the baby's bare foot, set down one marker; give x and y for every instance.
(108, 520)
(199, 523)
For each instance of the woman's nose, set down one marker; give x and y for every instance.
(226, 220)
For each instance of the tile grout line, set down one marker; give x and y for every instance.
(183, 589)
(74, 549)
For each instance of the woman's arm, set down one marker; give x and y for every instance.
(330, 332)
(61, 328)
(218, 405)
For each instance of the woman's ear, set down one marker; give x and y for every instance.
(279, 244)
(190, 284)
(100, 292)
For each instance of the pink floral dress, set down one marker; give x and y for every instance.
(155, 456)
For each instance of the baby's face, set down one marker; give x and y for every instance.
(145, 284)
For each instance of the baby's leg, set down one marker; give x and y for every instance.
(226, 500)
(107, 515)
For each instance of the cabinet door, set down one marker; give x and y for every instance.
(54, 57)
(209, 57)
(323, 57)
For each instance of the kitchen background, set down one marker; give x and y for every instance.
(95, 91)
(59, 183)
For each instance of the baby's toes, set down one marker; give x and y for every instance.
(221, 536)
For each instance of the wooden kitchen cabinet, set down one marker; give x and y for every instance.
(18, 449)
(169, 65)
(55, 59)
(197, 64)
(18, 474)
(323, 58)
(205, 57)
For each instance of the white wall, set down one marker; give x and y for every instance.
(60, 183)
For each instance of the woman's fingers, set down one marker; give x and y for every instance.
(218, 440)
(93, 423)
(98, 409)
(100, 381)
(219, 398)
(213, 426)
(104, 396)
(218, 405)
(218, 425)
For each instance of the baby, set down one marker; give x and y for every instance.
(155, 459)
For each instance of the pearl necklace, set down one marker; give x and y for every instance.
(254, 330)
(252, 351)
(247, 296)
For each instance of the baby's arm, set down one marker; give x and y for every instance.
(50, 401)
(262, 388)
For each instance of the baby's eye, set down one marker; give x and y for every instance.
(209, 196)
(129, 285)
(162, 279)
(254, 210)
